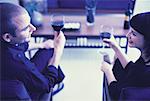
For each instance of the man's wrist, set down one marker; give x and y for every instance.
(54, 60)
(41, 45)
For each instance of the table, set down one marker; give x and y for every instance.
(114, 20)
(87, 36)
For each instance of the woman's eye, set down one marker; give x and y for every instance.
(133, 33)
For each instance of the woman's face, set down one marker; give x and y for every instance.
(24, 28)
(135, 39)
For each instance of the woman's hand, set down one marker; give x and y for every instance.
(106, 67)
(112, 42)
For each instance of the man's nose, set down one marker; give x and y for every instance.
(32, 27)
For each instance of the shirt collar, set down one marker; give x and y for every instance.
(18, 47)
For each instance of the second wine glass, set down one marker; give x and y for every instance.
(105, 32)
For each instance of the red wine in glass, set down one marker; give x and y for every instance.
(106, 35)
(57, 25)
(57, 22)
(106, 31)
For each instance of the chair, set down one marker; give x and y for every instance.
(58, 88)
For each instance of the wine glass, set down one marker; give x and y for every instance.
(57, 22)
(105, 33)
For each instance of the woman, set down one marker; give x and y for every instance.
(126, 73)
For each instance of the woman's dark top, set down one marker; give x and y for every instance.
(134, 75)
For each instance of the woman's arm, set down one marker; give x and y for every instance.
(124, 59)
(107, 69)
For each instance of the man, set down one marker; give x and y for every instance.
(39, 74)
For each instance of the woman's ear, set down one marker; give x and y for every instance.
(7, 37)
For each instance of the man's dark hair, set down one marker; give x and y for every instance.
(7, 12)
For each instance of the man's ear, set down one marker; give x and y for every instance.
(7, 37)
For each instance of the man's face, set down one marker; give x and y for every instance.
(24, 28)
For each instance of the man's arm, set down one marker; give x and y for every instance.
(43, 45)
(42, 57)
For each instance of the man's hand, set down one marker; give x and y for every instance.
(59, 43)
(47, 44)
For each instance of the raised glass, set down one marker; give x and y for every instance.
(57, 22)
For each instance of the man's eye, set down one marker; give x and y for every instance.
(25, 28)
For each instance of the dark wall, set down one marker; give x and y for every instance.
(80, 4)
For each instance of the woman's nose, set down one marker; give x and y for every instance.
(128, 34)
